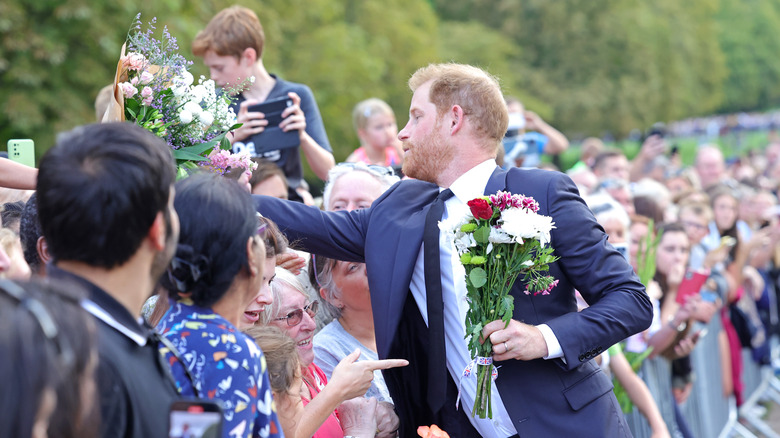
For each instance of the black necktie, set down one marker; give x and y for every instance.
(437, 363)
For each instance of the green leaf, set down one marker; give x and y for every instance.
(183, 154)
(478, 277)
(482, 233)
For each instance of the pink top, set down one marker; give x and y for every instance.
(391, 156)
(315, 380)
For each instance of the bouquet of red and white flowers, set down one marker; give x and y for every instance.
(153, 89)
(498, 238)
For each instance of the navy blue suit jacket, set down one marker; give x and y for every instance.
(570, 397)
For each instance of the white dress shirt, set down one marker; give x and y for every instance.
(467, 187)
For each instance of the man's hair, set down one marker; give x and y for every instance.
(266, 169)
(603, 156)
(30, 232)
(475, 90)
(230, 32)
(99, 190)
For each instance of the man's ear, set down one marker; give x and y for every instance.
(457, 119)
(249, 55)
(157, 232)
(43, 250)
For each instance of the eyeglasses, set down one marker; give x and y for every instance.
(44, 319)
(694, 225)
(379, 170)
(296, 316)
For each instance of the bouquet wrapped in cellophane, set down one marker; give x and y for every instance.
(498, 237)
(153, 89)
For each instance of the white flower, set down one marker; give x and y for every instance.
(185, 116)
(199, 93)
(206, 118)
(464, 241)
(193, 108)
(523, 224)
(497, 235)
(184, 78)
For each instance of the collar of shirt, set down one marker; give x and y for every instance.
(104, 307)
(472, 184)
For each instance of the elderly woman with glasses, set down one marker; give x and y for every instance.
(325, 408)
(215, 275)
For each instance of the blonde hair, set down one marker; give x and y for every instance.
(473, 89)
(368, 108)
(230, 32)
(281, 356)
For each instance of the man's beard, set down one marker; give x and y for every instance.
(428, 158)
(163, 258)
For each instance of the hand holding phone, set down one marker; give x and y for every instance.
(195, 418)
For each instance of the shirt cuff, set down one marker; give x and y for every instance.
(554, 350)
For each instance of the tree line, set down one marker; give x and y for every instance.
(588, 67)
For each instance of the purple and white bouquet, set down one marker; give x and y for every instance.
(153, 89)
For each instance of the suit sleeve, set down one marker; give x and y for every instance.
(619, 305)
(336, 234)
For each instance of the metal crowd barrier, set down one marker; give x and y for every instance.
(708, 412)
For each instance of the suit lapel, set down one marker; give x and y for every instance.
(496, 182)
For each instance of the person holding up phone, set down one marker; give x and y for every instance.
(231, 46)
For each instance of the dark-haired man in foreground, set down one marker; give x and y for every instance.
(105, 203)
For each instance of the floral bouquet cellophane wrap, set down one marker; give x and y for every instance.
(498, 238)
(152, 88)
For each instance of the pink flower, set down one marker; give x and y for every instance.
(134, 61)
(146, 92)
(147, 101)
(128, 89)
(145, 78)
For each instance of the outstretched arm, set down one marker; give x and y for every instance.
(14, 175)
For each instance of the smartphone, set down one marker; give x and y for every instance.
(273, 138)
(195, 418)
(690, 285)
(22, 151)
(272, 109)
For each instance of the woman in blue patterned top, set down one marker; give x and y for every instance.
(216, 273)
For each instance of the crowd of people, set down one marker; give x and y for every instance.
(125, 290)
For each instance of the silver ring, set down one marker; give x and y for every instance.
(507, 348)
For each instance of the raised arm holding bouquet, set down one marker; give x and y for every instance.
(153, 89)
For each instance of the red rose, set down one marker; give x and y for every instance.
(480, 208)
